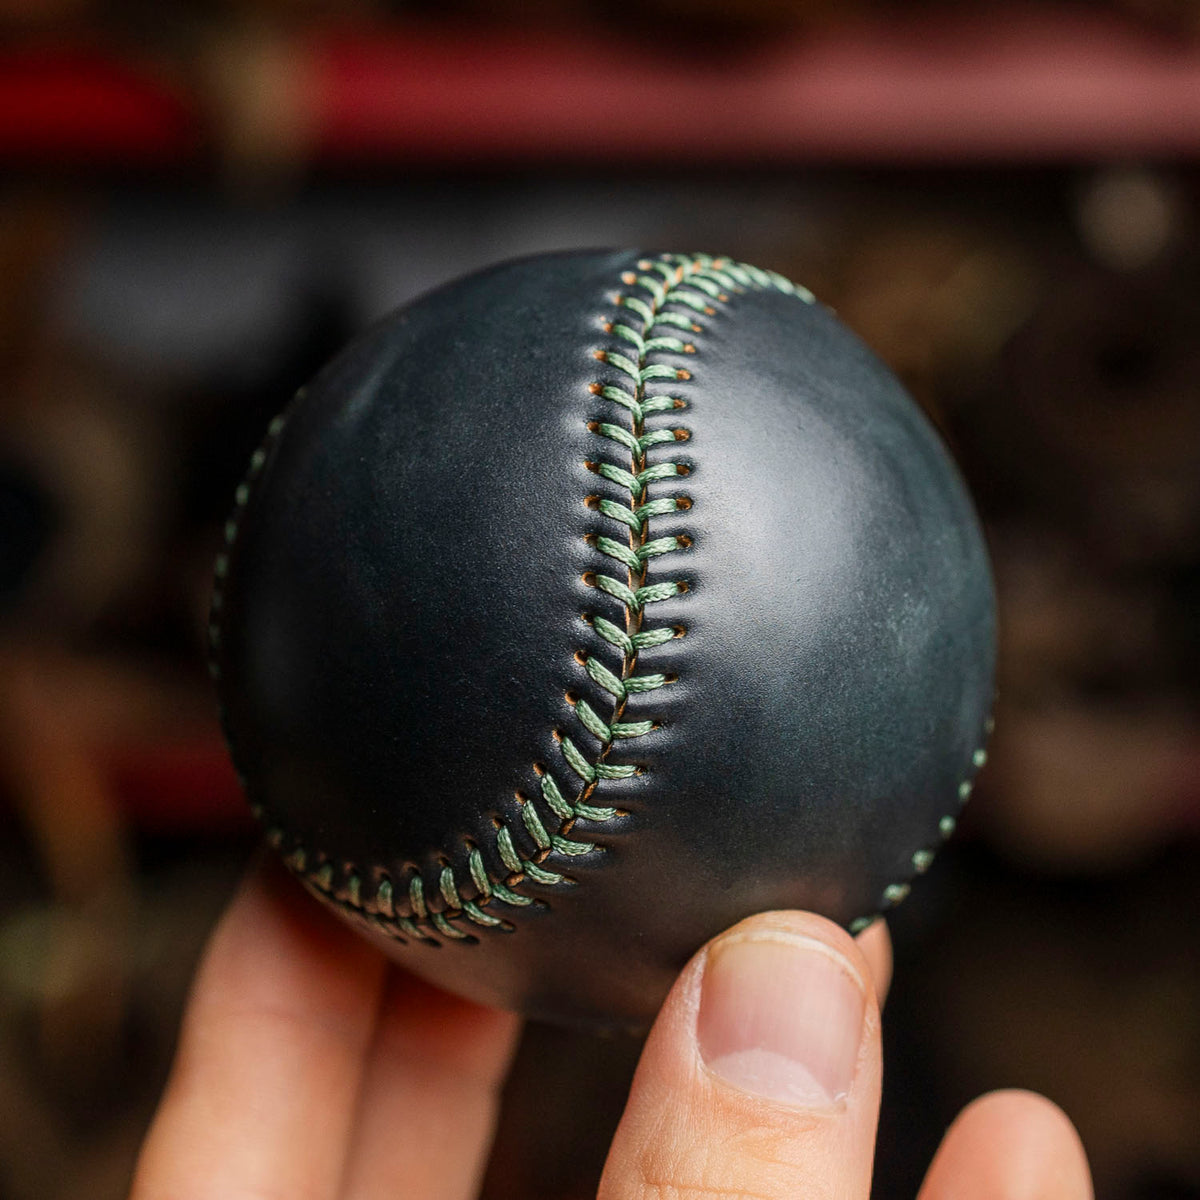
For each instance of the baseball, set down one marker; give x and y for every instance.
(590, 604)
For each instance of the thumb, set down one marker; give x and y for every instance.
(761, 1075)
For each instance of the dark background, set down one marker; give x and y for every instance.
(197, 209)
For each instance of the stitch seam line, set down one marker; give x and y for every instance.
(670, 295)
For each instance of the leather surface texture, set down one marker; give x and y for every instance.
(408, 607)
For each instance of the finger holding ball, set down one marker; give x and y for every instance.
(590, 604)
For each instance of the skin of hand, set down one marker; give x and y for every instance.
(310, 1069)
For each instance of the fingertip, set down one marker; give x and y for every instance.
(271, 1053)
(875, 942)
(274, 934)
(1010, 1145)
(761, 1075)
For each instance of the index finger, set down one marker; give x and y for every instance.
(271, 1056)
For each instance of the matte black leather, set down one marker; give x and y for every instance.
(404, 604)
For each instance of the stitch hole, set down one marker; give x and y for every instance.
(593, 426)
(688, 348)
(592, 502)
(595, 388)
(683, 541)
(600, 355)
(683, 586)
(607, 327)
(709, 311)
(683, 373)
(679, 630)
(587, 618)
(681, 435)
(682, 469)
(677, 403)
(672, 678)
(571, 698)
(697, 328)
(644, 264)
(629, 277)
(594, 467)
(589, 578)
(683, 503)
(539, 769)
(724, 299)
(590, 538)
(581, 658)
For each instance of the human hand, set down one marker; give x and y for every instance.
(310, 1069)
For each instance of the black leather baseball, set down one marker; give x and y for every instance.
(590, 604)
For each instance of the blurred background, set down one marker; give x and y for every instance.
(198, 205)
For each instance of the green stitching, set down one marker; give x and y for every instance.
(664, 295)
(922, 859)
(658, 314)
(221, 564)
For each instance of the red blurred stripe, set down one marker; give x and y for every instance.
(65, 105)
(965, 87)
(960, 86)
